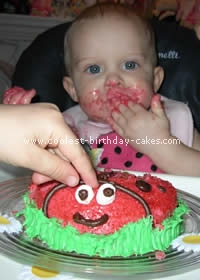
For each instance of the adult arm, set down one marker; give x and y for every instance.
(36, 136)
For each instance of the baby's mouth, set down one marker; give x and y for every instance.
(79, 219)
(118, 95)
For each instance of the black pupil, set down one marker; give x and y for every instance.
(130, 64)
(108, 192)
(83, 194)
(94, 68)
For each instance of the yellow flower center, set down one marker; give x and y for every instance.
(192, 239)
(43, 273)
(4, 221)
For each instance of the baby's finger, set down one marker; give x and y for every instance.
(128, 112)
(157, 106)
(119, 119)
(136, 108)
(15, 98)
(123, 109)
(6, 100)
(117, 128)
(27, 97)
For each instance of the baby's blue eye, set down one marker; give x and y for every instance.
(94, 69)
(130, 65)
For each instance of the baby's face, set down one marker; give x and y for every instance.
(111, 65)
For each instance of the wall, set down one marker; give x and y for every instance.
(16, 33)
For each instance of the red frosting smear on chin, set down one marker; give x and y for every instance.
(117, 95)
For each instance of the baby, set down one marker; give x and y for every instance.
(112, 73)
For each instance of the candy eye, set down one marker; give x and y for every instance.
(106, 194)
(84, 194)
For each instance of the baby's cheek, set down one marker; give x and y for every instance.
(94, 105)
(145, 93)
(93, 108)
(145, 98)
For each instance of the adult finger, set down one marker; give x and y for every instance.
(80, 161)
(51, 166)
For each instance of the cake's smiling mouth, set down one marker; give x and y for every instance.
(79, 219)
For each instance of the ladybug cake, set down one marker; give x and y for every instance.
(126, 215)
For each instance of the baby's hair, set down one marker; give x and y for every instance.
(110, 9)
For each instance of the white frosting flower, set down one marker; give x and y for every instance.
(187, 242)
(9, 224)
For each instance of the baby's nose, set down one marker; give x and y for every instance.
(113, 80)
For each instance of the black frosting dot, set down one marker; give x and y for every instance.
(128, 163)
(104, 160)
(118, 150)
(154, 167)
(143, 186)
(100, 145)
(138, 155)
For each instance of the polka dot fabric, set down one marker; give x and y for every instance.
(117, 153)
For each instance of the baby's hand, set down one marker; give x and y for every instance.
(164, 8)
(18, 95)
(139, 125)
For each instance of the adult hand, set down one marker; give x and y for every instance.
(36, 136)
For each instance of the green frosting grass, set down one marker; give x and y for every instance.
(134, 238)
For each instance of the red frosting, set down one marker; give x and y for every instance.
(159, 195)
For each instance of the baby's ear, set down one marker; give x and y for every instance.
(69, 87)
(158, 78)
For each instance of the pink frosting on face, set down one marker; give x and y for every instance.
(98, 106)
(118, 95)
